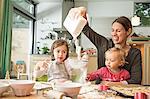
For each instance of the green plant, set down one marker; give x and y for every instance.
(143, 11)
(45, 50)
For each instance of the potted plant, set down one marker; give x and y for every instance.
(45, 50)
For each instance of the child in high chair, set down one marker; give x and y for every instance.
(113, 72)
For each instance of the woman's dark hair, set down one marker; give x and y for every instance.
(126, 23)
(58, 43)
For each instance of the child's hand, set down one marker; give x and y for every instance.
(89, 78)
(42, 65)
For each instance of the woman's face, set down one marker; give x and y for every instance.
(119, 35)
(60, 53)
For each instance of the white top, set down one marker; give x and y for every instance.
(57, 71)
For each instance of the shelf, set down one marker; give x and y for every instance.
(140, 38)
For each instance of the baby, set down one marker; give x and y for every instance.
(113, 72)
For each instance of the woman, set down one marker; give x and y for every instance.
(121, 29)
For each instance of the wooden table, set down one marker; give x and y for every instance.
(96, 93)
(33, 95)
(87, 92)
(92, 93)
(37, 92)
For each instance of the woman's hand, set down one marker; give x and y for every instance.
(76, 12)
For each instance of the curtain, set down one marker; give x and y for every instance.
(1, 10)
(5, 36)
(1, 6)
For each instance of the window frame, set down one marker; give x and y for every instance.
(24, 13)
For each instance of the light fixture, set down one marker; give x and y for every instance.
(135, 20)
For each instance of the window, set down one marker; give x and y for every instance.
(26, 5)
(21, 16)
(22, 32)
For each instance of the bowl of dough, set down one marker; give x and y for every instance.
(69, 89)
(22, 87)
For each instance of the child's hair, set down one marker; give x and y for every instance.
(56, 44)
(121, 53)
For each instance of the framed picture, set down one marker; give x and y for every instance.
(142, 10)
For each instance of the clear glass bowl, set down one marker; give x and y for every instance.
(79, 70)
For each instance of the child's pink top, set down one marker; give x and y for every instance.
(106, 75)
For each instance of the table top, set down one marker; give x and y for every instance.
(33, 95)
(90, 91)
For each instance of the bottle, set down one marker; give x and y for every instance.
(74, 25)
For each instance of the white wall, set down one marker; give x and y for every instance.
(49, 15)
(145, 31)
(101, 14)
(101, 25)
(110, 8)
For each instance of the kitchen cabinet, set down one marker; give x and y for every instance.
(146, 72)
(145, 51)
